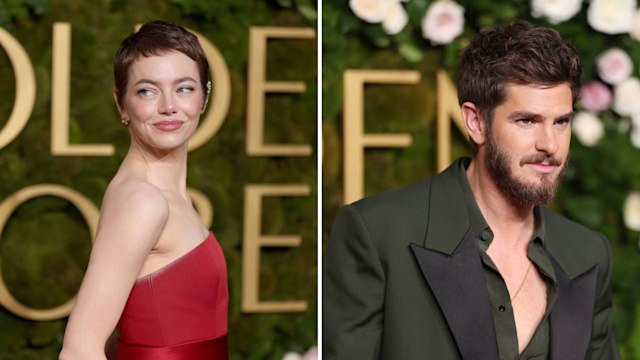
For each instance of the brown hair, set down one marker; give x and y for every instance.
(515, 53)
(156, 38)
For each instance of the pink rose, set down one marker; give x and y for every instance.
(311, 354)
(595, 96)
(443, 22)
(614, 66)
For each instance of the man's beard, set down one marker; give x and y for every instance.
(515, 188)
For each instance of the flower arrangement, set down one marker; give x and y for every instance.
(311, 354)
(602, 186)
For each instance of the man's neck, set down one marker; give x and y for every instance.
(512, 224)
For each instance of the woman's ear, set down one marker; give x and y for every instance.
(473, 122)
(116, 99)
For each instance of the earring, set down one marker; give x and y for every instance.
(124, 121)
(208, 87)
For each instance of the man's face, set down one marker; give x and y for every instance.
(527, 144)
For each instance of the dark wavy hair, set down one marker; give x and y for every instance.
(515, 53)
(157, 38)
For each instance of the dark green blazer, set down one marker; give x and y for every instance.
(403, 279)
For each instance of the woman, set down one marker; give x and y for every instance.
(150, 273)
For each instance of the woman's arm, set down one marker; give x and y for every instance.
(132, 218)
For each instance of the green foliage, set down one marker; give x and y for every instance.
(596, 185)
(45, 245)
(17, 11)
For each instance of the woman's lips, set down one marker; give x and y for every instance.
(168, 125)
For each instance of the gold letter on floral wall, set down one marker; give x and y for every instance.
(354, 138)
(448, 108)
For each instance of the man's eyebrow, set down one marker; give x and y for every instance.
(567, 116)
(530, 115)
(524, 115)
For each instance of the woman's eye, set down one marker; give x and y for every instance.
(185, 89)
(144, 92)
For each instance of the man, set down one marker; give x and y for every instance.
(468, 265)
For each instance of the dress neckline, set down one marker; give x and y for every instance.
(176, 260)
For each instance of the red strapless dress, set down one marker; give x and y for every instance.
(180, 311)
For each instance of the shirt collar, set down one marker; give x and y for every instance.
(479, 225)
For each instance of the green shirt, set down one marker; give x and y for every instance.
(505, 326)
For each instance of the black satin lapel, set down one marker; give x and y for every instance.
(572, 315)
(458, 284)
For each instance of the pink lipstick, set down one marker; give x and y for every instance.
(168, 125)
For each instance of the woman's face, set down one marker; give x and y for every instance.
(163, 100)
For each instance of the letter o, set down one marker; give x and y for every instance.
(90, 213)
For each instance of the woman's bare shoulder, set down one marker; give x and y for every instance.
(135, 198)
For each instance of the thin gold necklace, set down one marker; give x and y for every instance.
(522, 283)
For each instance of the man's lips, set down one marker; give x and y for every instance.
(545, 168)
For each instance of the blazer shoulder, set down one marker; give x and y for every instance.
(396, 203)
(574, 246)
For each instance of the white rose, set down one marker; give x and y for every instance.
(395, 20)
(631, 211)
(291, 356)
(614, 66)
(611, 16)
(635, 137)
(587, 127)
(635, 29)
(443, 22)
(625, 97)
(556, 11)
(371, 11)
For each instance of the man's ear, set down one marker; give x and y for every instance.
(474, 123)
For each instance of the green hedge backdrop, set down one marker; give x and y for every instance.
(599, 180)
(45, 245)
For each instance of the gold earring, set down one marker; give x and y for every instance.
(208, 87)
(124, 121)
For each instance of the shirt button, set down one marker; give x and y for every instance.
(486, 235)
(502, 308)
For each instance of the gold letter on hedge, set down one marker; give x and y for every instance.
(88, 211)
(258, 86)
(253, 240)
(448, 108)
(354, 139)
(60, 84)
(25, 82)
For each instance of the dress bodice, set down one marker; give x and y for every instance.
(184, 302)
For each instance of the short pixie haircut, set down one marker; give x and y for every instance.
(157, 38)
(516, 53)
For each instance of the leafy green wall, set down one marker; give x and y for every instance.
(45, 245)
(594, 189)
